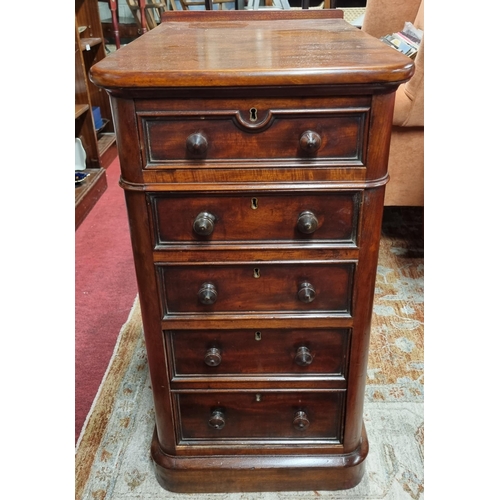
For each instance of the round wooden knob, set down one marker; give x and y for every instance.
(303, 357)
(306, 293)
(300, 421)
(217, 420)
(207, 294)
(307, 222)
(310, 141)
(197, 144)
(204, 223)
(213, 357)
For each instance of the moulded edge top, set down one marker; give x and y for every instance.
(254, 53)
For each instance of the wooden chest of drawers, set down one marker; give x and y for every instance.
(253, 149)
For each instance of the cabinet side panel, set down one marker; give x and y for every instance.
(371, 222)
(369, 231)
(140, 229)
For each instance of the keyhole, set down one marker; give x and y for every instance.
(258, 335)
(253, 114)
(258, 397)
(256, 273)
(255, 203)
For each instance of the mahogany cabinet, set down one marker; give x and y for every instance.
(253, 149)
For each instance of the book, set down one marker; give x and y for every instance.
(406, 41)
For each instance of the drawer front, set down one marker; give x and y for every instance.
(256, 217)
(249, 352)
(258, 416)
(256, 287)
(242, 134)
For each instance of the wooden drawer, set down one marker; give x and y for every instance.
(253, 131)
(256, 287)
(261, 217)
(258, 416)
(243, 353)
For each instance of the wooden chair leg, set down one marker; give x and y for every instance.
(142, 8)
(114, 21)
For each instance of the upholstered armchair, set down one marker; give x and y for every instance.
(406, 157)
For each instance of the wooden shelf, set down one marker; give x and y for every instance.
(106, 144)
(105, 141)
(89, 42)
(88, 193)
(80, 109)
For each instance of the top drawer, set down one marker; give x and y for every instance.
(274, 130)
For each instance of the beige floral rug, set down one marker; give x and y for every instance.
(112, 454)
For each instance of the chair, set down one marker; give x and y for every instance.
(209, 4)
(406, 156)
(251, 5)
(147, 13)
(285, 5)
(112, 4)
(274, 4)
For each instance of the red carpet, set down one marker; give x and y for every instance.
(105, 290)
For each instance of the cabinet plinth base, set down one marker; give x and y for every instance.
(226, 474)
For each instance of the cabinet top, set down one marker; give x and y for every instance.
(214, 49)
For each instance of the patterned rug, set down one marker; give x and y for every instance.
(112, 454)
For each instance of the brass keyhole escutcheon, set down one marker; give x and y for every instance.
(253, 114)
(258, 398)
(255, 203)
(256, 273)
(258, 335)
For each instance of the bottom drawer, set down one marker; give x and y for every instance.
(258, 416)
